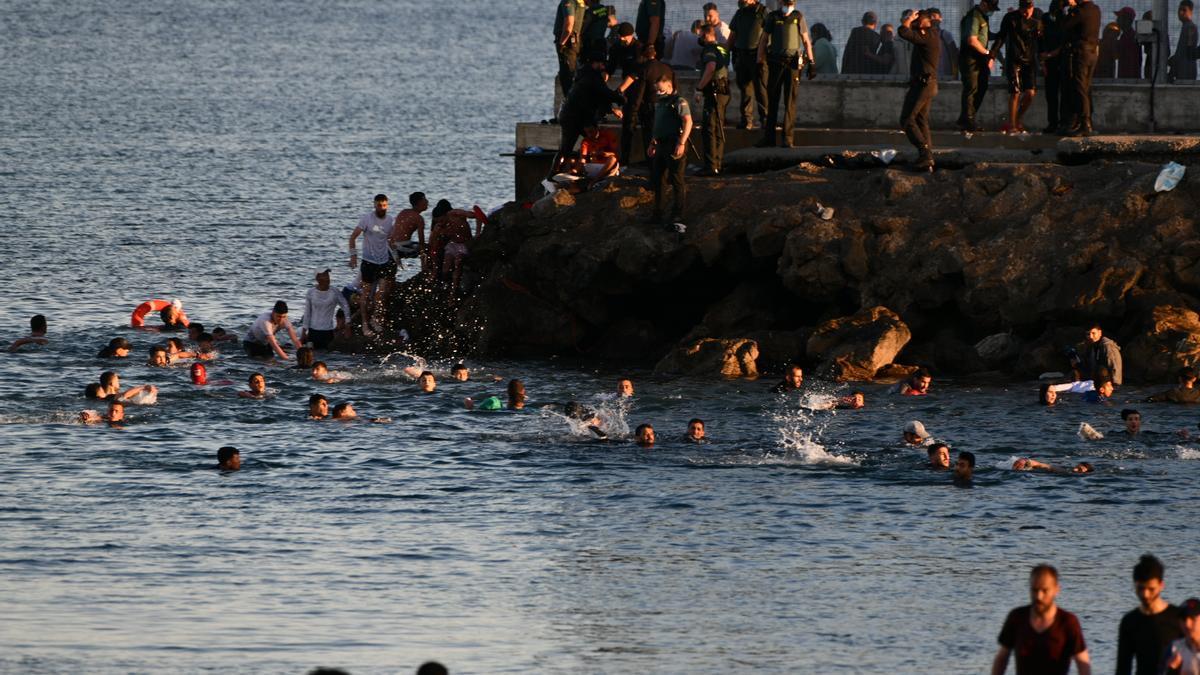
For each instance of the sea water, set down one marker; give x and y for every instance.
(221, 153)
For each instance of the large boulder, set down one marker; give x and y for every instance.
(854, 348)
(731, 358)
(1171, 341)
(551, 204)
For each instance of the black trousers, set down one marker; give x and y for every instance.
(1079, 87)
(914, 116)
(568, 57)
(666, 170)
(645, 115)
(630, 120)
(1054, 91)
(975, 75)
(715, 104)
(783, 81)
(751, 77)
(572, 130)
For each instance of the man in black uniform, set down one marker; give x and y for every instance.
(567, 24)
(1082, 28)
(1054, 59)
(589, 100)
(1019, 33)
(714, 87)
(785, 46)
(596, 19)
(745, 30)
(626, 56)
(917, 28)
(653, 70)
(668, 149)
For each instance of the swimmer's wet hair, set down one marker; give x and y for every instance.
(340, 408)
(92, 391)
(114, 402)
(156, 349)
(226, 453)
(106, 377)
(969, 456)
(922, 372)
(1129, 411)
(316, 397)
(37, 323)
(694, 420)
(204, 337)
(319, 364)
(931, 450)
(457, 367)
(642, 427)
(424, 373)
(1044, 568)
(177, 343)
(196, 326)
(1148, 567)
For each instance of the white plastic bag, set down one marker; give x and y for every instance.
(1169, 177)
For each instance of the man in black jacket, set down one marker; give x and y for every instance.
(589, 100)
(917, 28)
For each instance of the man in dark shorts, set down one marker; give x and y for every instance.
(1147, 632)
(1044, 638)
(378, 268)
(1020, 31)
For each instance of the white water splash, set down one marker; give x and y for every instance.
(798, 439)
(1187, 453)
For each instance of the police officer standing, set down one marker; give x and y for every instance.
(567, 24)
(595, 28)
(650, 17)
(588, 102)
(745, 30)
(626, 55)
(785, 35)
(917, 29)
(1053, 48)
(1082, 27)
(714, 87)
(975, 62)
(668, 149)
(653, 70)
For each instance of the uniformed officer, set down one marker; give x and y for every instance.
(596, 20)
(568, 23)
(1053, 56)
(917, 29)
(975, 62)
(1082, 27)
(785, 46)
(668, 149)
(714, 88)
(650, 18)
(745, 30)
(653, 70)
(626, 55)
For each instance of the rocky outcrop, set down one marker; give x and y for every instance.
(708, 356)
(1033, 251)
(856, 347)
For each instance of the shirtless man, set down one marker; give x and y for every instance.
(318, 407)
(229, 459)
(409, 221)
(258, 387)
(644, 436)
(695, 431)
(939, 456)
(320, 373)
(625, 388)
(115, 415)
(426, 382)
(448, 239)
(37, 334)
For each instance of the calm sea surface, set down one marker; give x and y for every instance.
(221, 152)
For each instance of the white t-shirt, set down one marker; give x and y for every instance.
(375, 237)
(1191, 658)
(686, 52)
(723, 34)
(320, 308)
(262, 328)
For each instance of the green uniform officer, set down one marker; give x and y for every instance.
(785, 46)
(651, 15)
(745, 31)
(668, 149)
(714, 87)
(596, 20)
(568, 23)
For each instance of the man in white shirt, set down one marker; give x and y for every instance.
(260, 339)
(378, 268)
(320, 313)
(712, 17)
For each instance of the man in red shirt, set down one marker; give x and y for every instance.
(599, 152)
(1044, 638)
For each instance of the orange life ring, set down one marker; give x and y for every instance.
(138, 319)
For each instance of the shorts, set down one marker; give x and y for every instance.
(257, 349)
(1022, 77)
(455, 250)
(320, 339)
(407, 249)
(594, 171)
(372, 272)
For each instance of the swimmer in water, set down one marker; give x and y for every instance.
(199, 374)
(915, 434)
(177, 350)
(258, 387)
(793, 379)
(344, 412)
(110, 388)
(1103, 391)
(625, 388)
(939, 456)
(229, 459)
(206, 346)
(118, 348)
(1028, 464)
(964, 469)
(426, 382)
(574, 410)
(459, 373)
(695, 431)
(318, 407)
(305, 358)
(644, 436)
(172, 316)
(37, 334)
(854, 401)
(917, 385)
(1047, 395)
(114, 416)
(515, 395)
(160, 357)
(1132, 420)
(320, 373)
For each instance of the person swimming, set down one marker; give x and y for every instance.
(625, 388)
(37, 334)
(426, 382)
(109, 388)
(258, 387)
(345, 412)
(939, 456)
(318, 407)
(644, 436)
(515, 395)
(305, 358)
(459, 373)
(793, 380)
(1028, 464)
(854, 401)
(917, 385)
(695, 431)
(1132, 420)
(118, 348)
(229, 458)
(964, 469)
(114, 416)
(915, 434)
(320, 373)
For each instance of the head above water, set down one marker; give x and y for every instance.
(229, 458)
(116, 410)
(305, 357)
(625, 387)
(939, 456)
(793, 377)
(37, 324)
(257, 383)
(199, 373)
(516, 394)
(1046, 395)
(695, 429)
(318, 406)
(644, 435)
(964, 466)
(460, 373)
(915, 433)
(426, 382)
(159, 356)
(920, 380)
(344, 411)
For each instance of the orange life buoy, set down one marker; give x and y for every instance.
(138, 319)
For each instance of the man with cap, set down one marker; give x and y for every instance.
(589, 100)
(1082, 30)
(378, 268)
(861, 47)
(714, 89)
(568, 22)
(917, 29)
(1184, 656)
(321, 304)
(260, 339)
(1019, 33)
(744, 33)
(786, 47)
(915, 434)
(975, 62)
(650, 17)
(1129, 52)
(596, 20)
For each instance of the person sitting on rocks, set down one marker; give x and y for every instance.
(917, 385)
(793, 379)
(1186, 392)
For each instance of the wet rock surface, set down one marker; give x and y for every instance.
(1032, 251)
